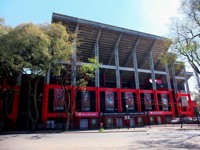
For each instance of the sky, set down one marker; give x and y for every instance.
(149, 16)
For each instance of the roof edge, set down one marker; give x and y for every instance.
(105, 26)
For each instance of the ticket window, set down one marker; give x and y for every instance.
(140, 121)
(159, 120)
(110, 122)
(132, 122)
(152, 120)
(119, 122)
(94, 123)
(83, 123)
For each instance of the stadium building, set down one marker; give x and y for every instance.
(131, 87)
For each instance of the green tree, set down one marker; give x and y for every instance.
(84, 73)
(27, 45)
(62, 50)
(36, 49)
(196, 97)
(6, 73)
(185, 33)
(184, 43)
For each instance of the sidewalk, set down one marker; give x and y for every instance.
(115, 130)
(143, 129)
(175, 127)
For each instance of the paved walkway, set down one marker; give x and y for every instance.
(144, 129)
(137, 129)
(154, 138)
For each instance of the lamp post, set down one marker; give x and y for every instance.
(198, 119)
(148, 117)
(127, 116)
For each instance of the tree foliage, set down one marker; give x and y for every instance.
(83, 74)
(36, 49)
(196, 97)
(4, 56)
(61, 46)
(186, 33)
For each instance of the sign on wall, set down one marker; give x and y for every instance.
(109, 101)
(164, 102)
(147, 101)
(86, 114)
(129, 100)
(59, 99)
(85, 101)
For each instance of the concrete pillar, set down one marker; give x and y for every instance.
(152, 70)
(168, 78)
(186, 81)
(174, 80)
(137, 85)
(73, 74)
(117, 67)
(96, 50)
(116, 51)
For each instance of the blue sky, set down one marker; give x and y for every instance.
(150, 16)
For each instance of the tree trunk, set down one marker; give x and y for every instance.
(74, 100)
(69, 112)
(29, 103)
(35, 105)
(67, 106)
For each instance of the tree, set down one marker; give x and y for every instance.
(185, 33)
(196, 97)
(84, 74)
(6, 94)
(36, 49)
(26, 48)
(4, 30)
(62, 51)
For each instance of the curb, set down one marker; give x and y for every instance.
(105, 131)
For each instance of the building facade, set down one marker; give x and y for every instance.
(131, 87)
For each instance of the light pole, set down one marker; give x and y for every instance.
(148, 117)
(127, 116)
(181, 121)
(198, 120)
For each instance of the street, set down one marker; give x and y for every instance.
(139, 138)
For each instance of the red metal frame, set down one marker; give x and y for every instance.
(46, 114)
(189, 111)
(15, 105)
(169, 93)
(132, 91)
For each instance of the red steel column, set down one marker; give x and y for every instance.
(138, 101)
(45, 104)
(178, 104)
(172, 103)
(119, 100)
(156, 100)
(15, 106)
(97, 100)
(73, 90)
(3, 87)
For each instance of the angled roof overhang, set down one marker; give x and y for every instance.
(108, 37)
